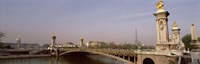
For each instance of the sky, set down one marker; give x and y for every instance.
(95, 20)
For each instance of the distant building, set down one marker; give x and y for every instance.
(70, 44)
(22, 45)
(95, 44)
(66, 45)
(45, 46)
(6, 52)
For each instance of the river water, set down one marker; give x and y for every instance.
(90, 59)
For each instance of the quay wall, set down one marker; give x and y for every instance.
(22, 56)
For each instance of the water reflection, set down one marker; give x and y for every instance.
(78, 59)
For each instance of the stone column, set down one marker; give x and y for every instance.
(18, 41)
(134, 59)
(81, 41)
(175, 33)
(53, 43)
(162, 29)
(128, 58)
(193, 31)
(53, 39)
(194, 42)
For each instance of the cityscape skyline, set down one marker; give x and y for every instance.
(97, 20)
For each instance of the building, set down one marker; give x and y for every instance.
(5, 52)
(22, 45)
(69, 45)
(95, 44)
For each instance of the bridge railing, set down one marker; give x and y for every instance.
(107, 51)
(131, 52)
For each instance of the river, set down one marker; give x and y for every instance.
(89, 59)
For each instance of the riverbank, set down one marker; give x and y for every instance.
(22, 56)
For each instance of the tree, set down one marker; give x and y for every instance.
(112, 45)
(8, 47)
(1, 35)
(1, 45)
(199, 39)
(45, 45)
(186, 40)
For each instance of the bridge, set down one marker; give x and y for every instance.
(120, 54)
(126, 55)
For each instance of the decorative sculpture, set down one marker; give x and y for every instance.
(174, 24)
(160, 5)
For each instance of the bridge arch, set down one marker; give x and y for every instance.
(148, 61)
(99, 53)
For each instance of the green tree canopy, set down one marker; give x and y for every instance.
(186, 40)
(1, 35)
(199, 39)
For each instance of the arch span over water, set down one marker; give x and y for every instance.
(98, 53)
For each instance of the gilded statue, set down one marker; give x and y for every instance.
(54, 34)
(81, 37)
(174, 24)
(160, 5)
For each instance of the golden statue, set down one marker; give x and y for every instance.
(54, 34)
(18, 38)
(81, 37)
(175, 24)
(160, 5)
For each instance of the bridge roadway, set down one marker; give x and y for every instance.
(128, 56)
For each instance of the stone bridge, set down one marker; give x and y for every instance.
(128, 56)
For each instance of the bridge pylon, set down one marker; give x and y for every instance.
(53, 49)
